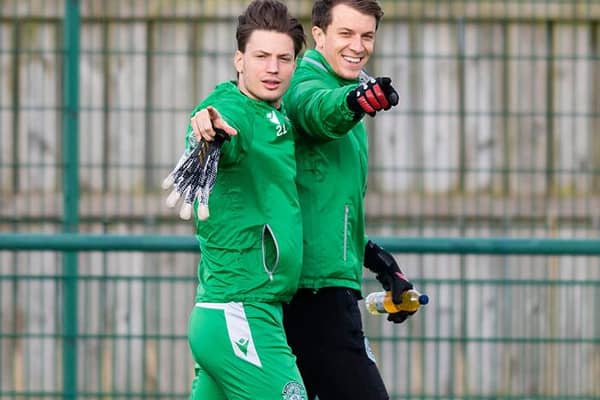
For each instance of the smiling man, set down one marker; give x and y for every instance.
(326, 105)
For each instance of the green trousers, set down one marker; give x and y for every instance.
(242, 353)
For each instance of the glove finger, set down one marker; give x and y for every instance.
(385, 81)
(392, 96)
(372, 99)
(397, 289)
(364, 104)
(398, 317)
(390, 93)
(381, 97)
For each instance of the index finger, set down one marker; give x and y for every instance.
(219, 122)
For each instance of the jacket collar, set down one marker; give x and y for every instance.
(316, 59)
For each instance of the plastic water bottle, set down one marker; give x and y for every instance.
(381, 302)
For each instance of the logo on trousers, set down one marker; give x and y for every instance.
(293, 391)
(242, 344)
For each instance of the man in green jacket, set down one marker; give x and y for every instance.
(251, 245)
(326, 104)
(326, 108)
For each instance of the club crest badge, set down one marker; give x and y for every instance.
(293, 391)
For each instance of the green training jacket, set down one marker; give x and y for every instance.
(251, 245)
(331, 157)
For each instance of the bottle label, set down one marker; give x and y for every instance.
(380, 303)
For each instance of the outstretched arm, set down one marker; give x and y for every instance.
(327, 112)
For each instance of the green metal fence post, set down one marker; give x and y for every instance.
(71, 32)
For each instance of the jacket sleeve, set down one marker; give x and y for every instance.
(236, 148)
(319, 111)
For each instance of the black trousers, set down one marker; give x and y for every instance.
(325, 333)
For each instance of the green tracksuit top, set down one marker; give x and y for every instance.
(251, 245)
(331, 157)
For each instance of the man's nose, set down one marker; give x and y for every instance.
(356, 44)
(273, 65)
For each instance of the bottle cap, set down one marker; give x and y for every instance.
(423, 299)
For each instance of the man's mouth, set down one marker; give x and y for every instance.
(352, 60)
(271, 84)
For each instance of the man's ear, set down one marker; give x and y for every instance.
(238, 61)
(319, 37)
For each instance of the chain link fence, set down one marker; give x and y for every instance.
(496, 138)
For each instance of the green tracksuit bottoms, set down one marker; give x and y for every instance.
(242, 353)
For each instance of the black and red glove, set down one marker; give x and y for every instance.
(371, 96)
(390, 276)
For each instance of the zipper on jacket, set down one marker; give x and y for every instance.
(270, 272)
(346, 210)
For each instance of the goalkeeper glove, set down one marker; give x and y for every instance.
(371, 96)
(389, 274)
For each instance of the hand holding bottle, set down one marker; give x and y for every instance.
(381, 302)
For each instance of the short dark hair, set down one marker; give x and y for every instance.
(269, 15)
(321, 12)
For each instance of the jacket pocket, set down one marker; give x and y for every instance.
(346, 215)
(270, 251)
